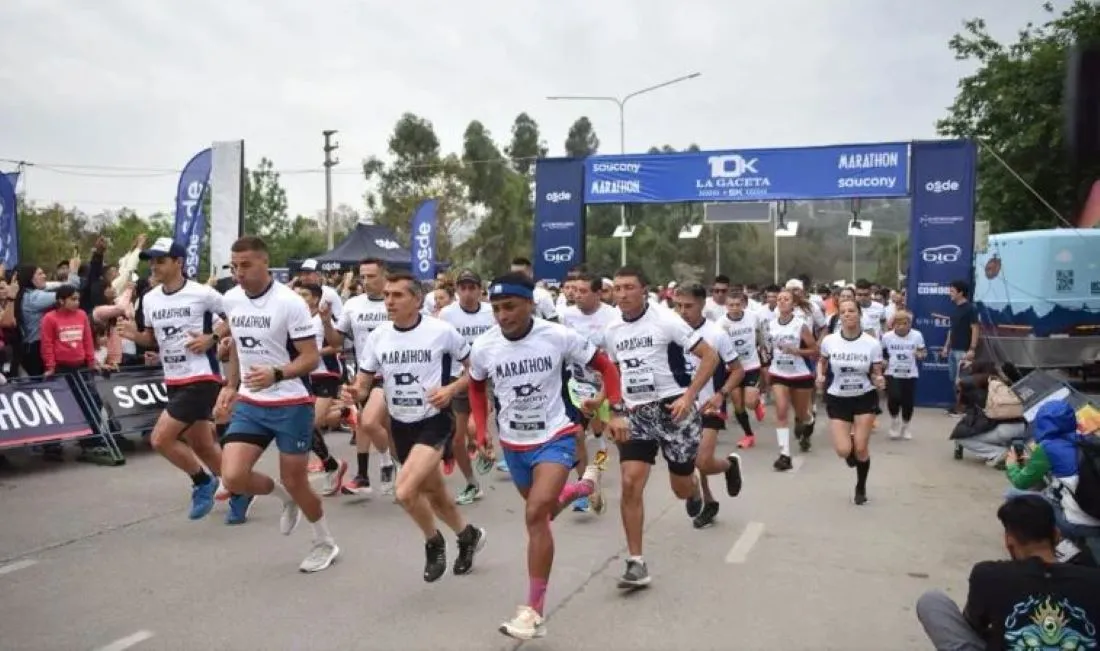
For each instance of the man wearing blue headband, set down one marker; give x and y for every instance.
(525, 358)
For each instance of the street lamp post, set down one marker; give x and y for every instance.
(621, 103)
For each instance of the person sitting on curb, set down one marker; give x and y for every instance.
(1029, 602)
(994, 417)
(1049, 468)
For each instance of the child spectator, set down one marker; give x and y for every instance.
(67, 341)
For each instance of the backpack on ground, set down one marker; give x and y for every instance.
(1087, 494)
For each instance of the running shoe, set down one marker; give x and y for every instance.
(746, 442)
(860, 497)
(635, 576)
(502, 465)
(239, 508)
(388, 475)
(223, 493)
(694, 506)
(335, 479)
(600, 460)
(470, 542)
(320, 557)
(599, 504)
(526, 625)
(733, 475)
(469, 495)
(760, 411)
(783, 463)
(448, 467)
(906, 433)
(706, 518)
(316, 466)
(202, 498)
(435, 558)
(581, 505)
(483, 464)
(357, 486)
(290, 517)
(895, 428)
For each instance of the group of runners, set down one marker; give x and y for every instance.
(263, 361)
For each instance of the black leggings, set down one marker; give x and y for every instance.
(900, 395)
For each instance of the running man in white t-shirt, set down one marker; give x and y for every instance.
(274, 352)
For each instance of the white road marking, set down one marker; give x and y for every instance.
(124, 643)
(748, 539)
(16, 566)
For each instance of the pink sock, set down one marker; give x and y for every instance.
(536, 594)
(575, 491)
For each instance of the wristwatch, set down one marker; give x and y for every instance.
(618, 409)
(278, 373)
(216, 337)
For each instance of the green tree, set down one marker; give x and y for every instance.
(527, 145)
(1012, 104)
(418, 171)
(265, 205)
(50, 234)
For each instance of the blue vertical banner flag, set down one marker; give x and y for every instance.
(190, 220)
(423, 240)
(941, 250)
(559, 217)
(9, 221)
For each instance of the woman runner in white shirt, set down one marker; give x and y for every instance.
(854, 359)
(903, 348)
(790, 343)
(744, 328)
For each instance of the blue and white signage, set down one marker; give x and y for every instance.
(835, 172)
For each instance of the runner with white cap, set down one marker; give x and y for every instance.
(310, 274)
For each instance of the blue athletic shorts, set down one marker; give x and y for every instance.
(521, 463)
(290, 426)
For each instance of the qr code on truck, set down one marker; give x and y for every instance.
(1063, 280)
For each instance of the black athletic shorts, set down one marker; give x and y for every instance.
(191, 403)
(751, 379)
(716, 422)
(792, 383)
(846, 409)
(434, 432)
(325, 386)
(460, 404)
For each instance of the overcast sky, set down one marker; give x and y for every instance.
(147, 83)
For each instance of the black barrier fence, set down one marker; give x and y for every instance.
(131, 398)
(40, 410)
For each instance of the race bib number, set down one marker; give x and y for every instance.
(853, 386)
(408, 403)
(641, 386)
(785, 362)
(583, 391)
(523, 424)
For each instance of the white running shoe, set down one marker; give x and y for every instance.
(290, 518)
(526, 625)
(335, 479)
(906, 433)
(320, 557)
(895, 428)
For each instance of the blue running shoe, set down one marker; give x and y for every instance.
(502, 466)
(202, 498)
(581, 505)
(239, 506)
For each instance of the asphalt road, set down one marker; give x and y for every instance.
(98, 558)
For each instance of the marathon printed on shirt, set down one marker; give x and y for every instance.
(173, 317)
(413, 363)
(850, 361)
(266, 330)
(901, 353)
(527, 378)
(743, 334)
(360, 316)
(470, 325)
(777, 336)
(650, 351)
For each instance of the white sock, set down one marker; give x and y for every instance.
(280, 492)
(386, 459)
(783, 437)
(636, 559)
(320, 530)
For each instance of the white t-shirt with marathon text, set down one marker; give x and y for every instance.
(742, 333)
(173, 318)
(850, 360)
(360, 316)
(901, 353)
(327, 365)
(264, 329)
(413, 363)
(527, 376)
(778, 336)
(470, 325)
(720, 341)
(586, 382)
(650, 352)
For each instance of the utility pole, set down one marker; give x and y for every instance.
(330, 162)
